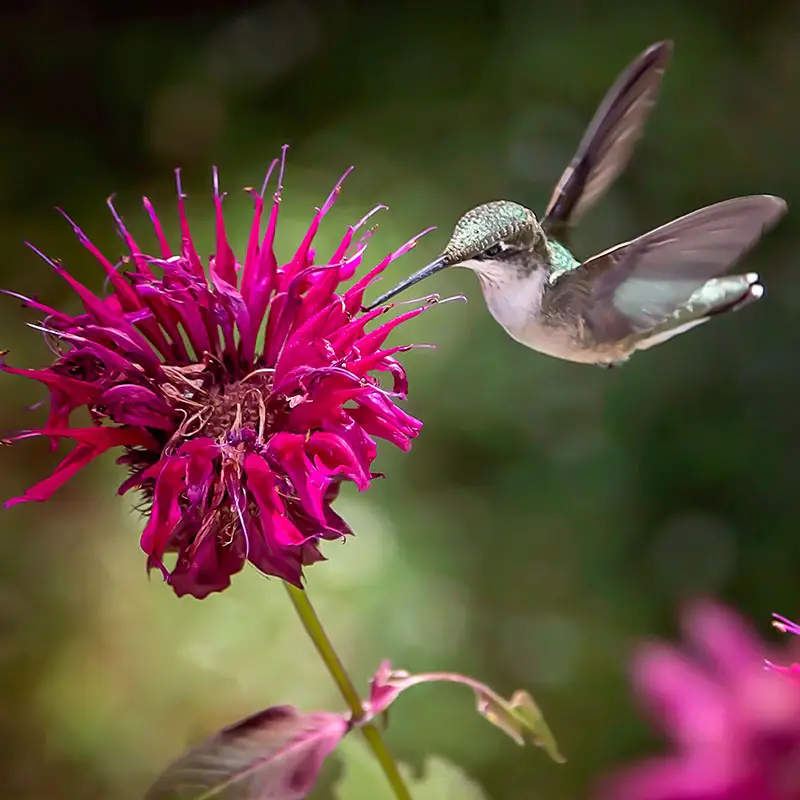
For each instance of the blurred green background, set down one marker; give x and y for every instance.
(549, 516)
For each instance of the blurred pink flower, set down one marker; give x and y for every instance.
(786, 626)
(735, 724)
(242, 393)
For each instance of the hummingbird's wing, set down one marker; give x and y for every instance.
(637, 286)
(609, 140)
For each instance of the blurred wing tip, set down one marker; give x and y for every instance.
(769, 205)
(778, 202)
(657, 56)
(664, 48)
(770, 198)
(773, 199)
(775, 206)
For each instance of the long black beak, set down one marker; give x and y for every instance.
(425, 272)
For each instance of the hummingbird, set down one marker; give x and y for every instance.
(634, 295)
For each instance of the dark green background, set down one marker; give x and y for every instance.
(550, 515)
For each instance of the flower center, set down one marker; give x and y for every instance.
(233, 413)
(240, 411)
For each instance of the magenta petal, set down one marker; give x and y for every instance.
(791, 671)
(272, 556)
(284, 563)
(695, 778)
(92, 442)
(356, 438)
(208, 568)
(72, 464)
(333, 456)
(199, 455)
(278, 530)
(166, 513)
(79, 391)
(730, 645)
(129, 404)
(308, 482)
(689, 703)
(374, 416)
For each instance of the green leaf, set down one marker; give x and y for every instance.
(521, 718)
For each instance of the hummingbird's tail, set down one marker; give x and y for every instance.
(717, 296)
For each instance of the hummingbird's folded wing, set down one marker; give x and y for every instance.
(635, 286)
(609, 140)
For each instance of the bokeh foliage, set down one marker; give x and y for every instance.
(549, 515)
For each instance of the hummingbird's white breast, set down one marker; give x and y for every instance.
(515, 301)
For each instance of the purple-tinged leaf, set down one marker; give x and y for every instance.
(519, 717)
(275, 754)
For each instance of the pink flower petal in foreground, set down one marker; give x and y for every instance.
(786, 626)
(243, 392)
(735, 724)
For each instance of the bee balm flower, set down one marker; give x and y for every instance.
(242, 393)
(735, 725)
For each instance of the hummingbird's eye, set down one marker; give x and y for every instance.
(494, 250)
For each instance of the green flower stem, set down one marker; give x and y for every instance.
(311, 622)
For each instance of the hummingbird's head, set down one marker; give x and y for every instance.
(485, 240)
(489, 231)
